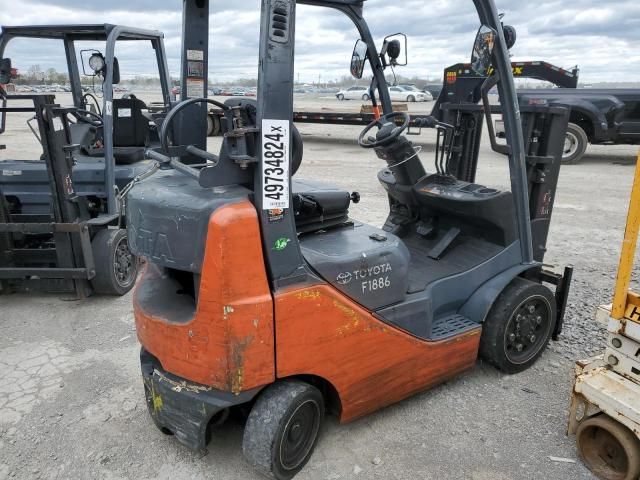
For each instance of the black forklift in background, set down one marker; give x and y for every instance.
(62, 215)
(259, 290)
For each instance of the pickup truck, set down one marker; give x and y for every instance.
(598, 116)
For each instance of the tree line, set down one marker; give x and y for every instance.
(36, 75)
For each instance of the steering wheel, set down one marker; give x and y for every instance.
(388, 125)
(96, 103)
(166, 124)
(85, 116)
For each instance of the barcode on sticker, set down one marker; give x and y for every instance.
(275, 164)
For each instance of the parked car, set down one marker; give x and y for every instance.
(400, 94)
(354, 93)
(413, 88)
(215, 91)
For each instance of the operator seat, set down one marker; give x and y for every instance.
(317, 205)
(130, 130)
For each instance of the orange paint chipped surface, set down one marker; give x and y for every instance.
(228, 344)
(371, 364)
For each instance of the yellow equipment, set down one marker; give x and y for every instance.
(605, 404)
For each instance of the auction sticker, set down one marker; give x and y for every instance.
(275, 164)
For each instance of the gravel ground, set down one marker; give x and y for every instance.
(72, 403)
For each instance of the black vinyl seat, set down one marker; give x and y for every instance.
(130, 130)
(318, 205)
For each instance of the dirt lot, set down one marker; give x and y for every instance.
(72, 404)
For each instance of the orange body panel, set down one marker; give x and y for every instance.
(371, 364)
(228, 344)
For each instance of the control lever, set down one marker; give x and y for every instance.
(173, 162)
(209, 157)
(423, 122)
(426, 122)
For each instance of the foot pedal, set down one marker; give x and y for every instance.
(438, 251)
(426, 229)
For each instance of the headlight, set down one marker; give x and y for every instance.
(96, 62)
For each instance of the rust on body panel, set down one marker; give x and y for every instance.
(371, 364)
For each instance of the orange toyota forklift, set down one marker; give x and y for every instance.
(260, 291)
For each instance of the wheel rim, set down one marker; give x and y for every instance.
(124, 266)
(570, 145)
(527, 330)
(299, 435)
(603, 453)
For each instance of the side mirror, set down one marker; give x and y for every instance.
(359, 58)
(510, 36)
(394, 50)
(483, 50)
(5, 71)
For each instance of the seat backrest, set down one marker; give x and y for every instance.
(130, 126)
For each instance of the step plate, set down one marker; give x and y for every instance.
(451, 326)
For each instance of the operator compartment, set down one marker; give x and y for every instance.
(365, 263)
(490, 209)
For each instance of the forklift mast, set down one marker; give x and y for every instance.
(194, 75)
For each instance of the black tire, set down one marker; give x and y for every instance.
(116, 266)
(282, 428)
(411, 99)
(518, 326)
(608, 448)
(340, 97)
(366, 97)
(297, 152)
(575, 145)
(210, 126)
(216, 126)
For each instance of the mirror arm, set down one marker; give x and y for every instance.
(490, 82)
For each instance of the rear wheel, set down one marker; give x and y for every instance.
(209, 126)
(609, 449)
(282, 428)
(116, 266)
(519, 326)
(575, 145)
(341, 97)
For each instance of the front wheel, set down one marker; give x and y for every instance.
(575, 145)
(366, 97)
(518, 326)
(282, 428)
(411, 99)
(341, 97)
(608, 448)
(116, 266)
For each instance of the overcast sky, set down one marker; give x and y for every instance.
(601, 36)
